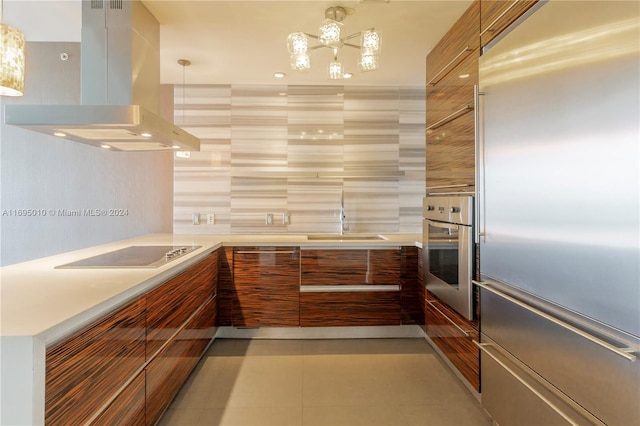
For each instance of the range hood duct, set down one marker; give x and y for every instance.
(120, 86)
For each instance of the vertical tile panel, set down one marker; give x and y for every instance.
(202, 182)
(258, 158)
(412, 158)
(371, 150)
(315, 154)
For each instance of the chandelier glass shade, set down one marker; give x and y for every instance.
(12, 48)
(330, 36)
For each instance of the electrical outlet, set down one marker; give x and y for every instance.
(210, 219)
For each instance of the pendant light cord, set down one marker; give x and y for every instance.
(185, 63)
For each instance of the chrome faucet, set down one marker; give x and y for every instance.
(343, 217)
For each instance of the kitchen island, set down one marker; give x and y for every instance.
(43, 305)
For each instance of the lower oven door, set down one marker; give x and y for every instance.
(448, 264)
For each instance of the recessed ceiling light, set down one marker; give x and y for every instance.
(340, 94)
(464, 75)
(105, 146)
(279, 74)
(145, 135)
(175, 146)
(347, 75)
(59, 134)
(282, 94)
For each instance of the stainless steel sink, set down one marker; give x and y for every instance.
(348, 237)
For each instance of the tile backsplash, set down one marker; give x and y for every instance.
(303, 151)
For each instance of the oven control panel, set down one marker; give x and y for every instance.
(451, 209)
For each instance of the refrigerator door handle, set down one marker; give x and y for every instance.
(479, 166)
(485, 348)
(626, 353)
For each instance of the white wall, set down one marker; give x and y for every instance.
(43, 172)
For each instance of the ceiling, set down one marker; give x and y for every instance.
(244, 42)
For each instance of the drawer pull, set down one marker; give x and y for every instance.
(449, 118)
(623, 352)
(460, 329)
(483, 348)
(507, 10)
(347, 288)
(435, 79)
(265, 252)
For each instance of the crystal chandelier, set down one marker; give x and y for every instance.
(12, 48)
(331, 37)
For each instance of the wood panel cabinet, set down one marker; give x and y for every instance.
(85, 370)
(128, 408)
(496, 16)
(172, 303)
(347, 287)
(452, 73)
(266, 286)
(411, 290)
(225, 286)
(454, 336)
(136, 358)
(171, 367)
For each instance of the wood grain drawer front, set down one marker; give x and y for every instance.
(454, 336)
(88, 368)
(411, 292)
(266, 286)
(128, 408)
(496, 16)
(225, 287)
(462, 39)
(172, 303)
(350, 267)
(166, 373)
(450, 156)
(327, 309)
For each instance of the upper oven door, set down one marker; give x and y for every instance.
(448, 263)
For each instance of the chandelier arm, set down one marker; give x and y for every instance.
(318, 47)
(312, 36)
(355, 46)
(358, 34)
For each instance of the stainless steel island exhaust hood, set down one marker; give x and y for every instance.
(120, 86)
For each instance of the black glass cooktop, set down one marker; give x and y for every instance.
(133, 257)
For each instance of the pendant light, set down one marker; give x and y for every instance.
(12, 53)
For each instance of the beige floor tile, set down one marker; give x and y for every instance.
(324, 382)
(252, 416)
(354, 415)
(445, 415)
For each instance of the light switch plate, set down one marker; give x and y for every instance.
(195, 219)
(210, 219)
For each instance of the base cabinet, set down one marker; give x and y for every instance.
(454, 336)
(136, 358)
(128, 408)
(357, 308)
(266, 286)
(86, 370)
(350, 287)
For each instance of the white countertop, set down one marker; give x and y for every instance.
(40, 301)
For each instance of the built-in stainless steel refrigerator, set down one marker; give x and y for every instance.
(558, 204)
